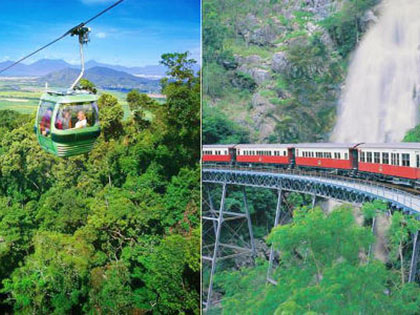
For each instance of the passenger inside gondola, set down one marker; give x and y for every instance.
(82, 123)
(45, 125)
(64, 120)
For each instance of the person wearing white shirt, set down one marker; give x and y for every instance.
(82, 123)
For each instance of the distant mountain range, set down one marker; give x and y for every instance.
(57, 72)
(103, 77)
(46, 66)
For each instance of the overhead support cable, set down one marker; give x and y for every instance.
(71, 31)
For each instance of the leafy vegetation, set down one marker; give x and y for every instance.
(322, 270)
(115, 231)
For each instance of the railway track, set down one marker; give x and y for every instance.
(325, 174)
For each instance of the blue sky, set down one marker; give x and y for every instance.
(135, 33)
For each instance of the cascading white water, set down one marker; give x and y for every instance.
(380, 100)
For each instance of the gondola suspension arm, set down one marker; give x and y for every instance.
(83, 33)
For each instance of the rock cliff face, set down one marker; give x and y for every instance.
(292, 52)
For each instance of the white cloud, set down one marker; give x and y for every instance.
(100, 35)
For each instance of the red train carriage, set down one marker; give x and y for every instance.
(218, 153)
(390, 159)
(264, 153)
(341, 156)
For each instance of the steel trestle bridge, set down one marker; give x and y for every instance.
(283, 181)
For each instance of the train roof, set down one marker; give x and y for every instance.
(396, 145)
(265, 145)
(217, 146)
(327, 145)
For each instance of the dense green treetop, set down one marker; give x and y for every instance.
(115, 231)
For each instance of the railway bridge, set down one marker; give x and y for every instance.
(216, 219)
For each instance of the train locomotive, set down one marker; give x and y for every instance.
(397, 163)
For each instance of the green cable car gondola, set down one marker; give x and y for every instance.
(67, 123)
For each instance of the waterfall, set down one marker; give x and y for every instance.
(380, 99)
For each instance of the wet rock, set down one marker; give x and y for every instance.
(258, 100)
(260, 75)
(264, 36)
(279, 62)
(368, 19)
(320, 8)
(253, 59)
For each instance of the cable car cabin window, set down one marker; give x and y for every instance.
(405, 159)
(362, 156)
(44, 118)
(377, 157)
(369, 157)
(75, 116)
(385, 158)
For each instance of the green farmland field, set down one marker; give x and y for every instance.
(22, 95)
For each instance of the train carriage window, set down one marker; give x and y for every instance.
(405, 158)
(346, 156)
(362, 156)
(318, 154)
(377, 157)
(385, 158)
(418, 160)
(369, 157)
(395, 159)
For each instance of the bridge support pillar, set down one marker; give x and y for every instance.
(276, 222)
(313, 201)
(414, 258)
(224, 229)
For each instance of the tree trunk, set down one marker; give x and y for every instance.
(401, 262)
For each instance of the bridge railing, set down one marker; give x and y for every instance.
(387, 191)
